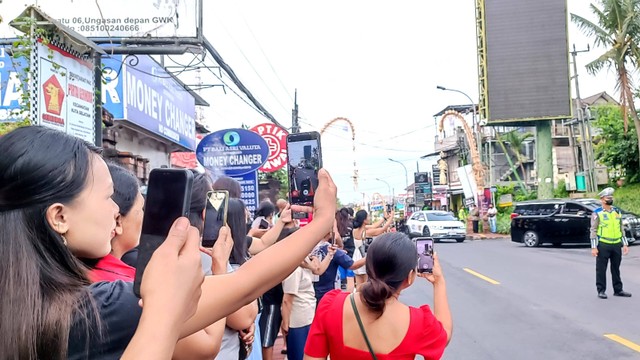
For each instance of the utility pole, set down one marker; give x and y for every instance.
(587, 150)
(295, 124)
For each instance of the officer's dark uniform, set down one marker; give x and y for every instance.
(607, 235)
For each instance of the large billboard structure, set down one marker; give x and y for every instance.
(107, 19)
(523, 61)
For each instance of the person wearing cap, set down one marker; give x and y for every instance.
(608, 243)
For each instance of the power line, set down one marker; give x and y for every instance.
(235, 92)
(365, 144)
(252, 67)
(266, 58)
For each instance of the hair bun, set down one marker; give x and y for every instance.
(375, 294)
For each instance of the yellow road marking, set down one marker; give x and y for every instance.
(620, 340)
(485, 278)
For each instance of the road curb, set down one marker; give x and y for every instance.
(486, 237)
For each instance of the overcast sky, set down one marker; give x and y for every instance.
(376, 63)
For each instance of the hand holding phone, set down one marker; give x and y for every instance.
(168, 198)
(305, 160)
(174, 272)
(215, 216)
(424, 246)
(264, 224)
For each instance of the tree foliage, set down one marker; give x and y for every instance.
(515, 140)
(281, 177)
(617, 29)
(613, 147)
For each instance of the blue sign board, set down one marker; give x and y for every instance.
(143, 93)
(249, 190)
(232, 152)
(10, 86)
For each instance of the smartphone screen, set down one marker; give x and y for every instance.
(264, 224)
(168, 198)
(305, 160)
(425, 255)
(215, 216)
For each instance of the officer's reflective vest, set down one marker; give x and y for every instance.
(609, 231)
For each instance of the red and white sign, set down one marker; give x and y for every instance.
(276, 138)
(65, 92)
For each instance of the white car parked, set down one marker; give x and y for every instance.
(437, 225)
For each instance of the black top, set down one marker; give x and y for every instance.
(348, 243)
(275, 295)
(119, 314)
(130, 257)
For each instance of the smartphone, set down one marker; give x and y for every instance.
(425, 254)
(215, 216)
(305, 160)
(389, 208)
(264, 224)
(168, 198)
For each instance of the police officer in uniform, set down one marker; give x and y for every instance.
(608, 242)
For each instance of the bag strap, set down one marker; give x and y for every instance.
(364, 334)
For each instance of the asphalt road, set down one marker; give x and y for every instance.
(544, 307)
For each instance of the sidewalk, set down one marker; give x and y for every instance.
(487, 236)
(279, 345)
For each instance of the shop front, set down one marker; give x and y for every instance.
(153, 114)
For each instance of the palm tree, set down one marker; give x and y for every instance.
(515, 139)
(617, 30)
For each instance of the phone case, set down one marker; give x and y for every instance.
(216, 200)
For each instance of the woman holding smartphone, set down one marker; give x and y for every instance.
(59, 205)
(373, 323)
(361, 232)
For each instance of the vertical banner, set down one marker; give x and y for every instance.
(249, 190)
(64, 92)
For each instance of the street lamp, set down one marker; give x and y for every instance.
(406, 173)
(388, 187)
(473, 105)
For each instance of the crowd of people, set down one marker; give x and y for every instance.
(71, 225)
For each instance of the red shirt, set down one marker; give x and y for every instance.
(110, 268)
(425, 335)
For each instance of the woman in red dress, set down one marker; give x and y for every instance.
(394, 330)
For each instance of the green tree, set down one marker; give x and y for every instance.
(516, 139)
(613, 146)
(282, 177)
(618, 31)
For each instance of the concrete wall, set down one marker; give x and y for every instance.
(140, 144)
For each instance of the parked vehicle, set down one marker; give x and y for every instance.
(437, 225)
(561, 221)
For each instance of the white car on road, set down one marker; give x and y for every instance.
(437, 225)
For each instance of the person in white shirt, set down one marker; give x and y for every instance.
(492, 213)
(298, 308)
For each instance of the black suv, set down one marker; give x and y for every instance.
(561, 221)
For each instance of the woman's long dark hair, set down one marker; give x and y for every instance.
(126, 187)
(390, 259)
(237, 221)
(42, 285)
(266, 209)
(360, 218)
(201, 186)
(229, 184)
(344, 222)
